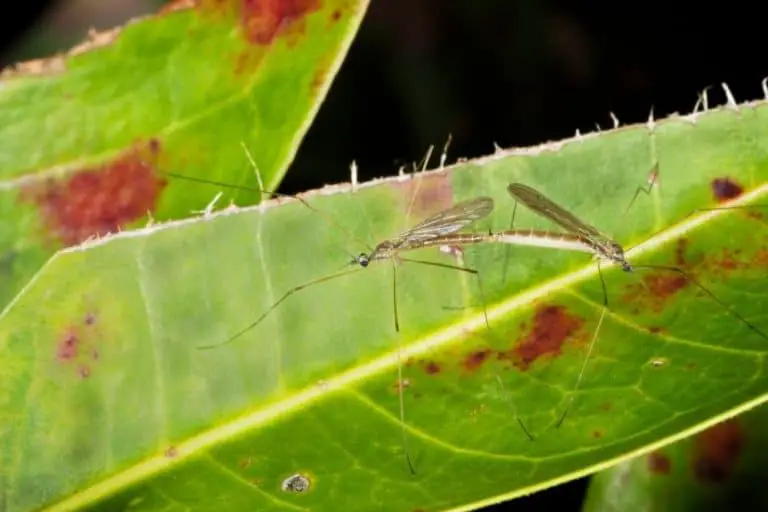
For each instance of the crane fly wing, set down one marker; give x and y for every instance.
(446, 221)
(548, 209)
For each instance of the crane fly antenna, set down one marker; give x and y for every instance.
(277, 303)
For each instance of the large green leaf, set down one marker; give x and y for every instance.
(721, 468)
(85, 138)
(112, 405)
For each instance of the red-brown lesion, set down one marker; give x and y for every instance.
(551, 327)
(101, 199)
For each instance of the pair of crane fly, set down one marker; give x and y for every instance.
(441, 229)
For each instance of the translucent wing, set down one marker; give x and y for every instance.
(445, 222)
(552, 211)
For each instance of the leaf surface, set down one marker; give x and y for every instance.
(113, 406)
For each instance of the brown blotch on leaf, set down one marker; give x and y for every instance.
(606, 406)
(431, 368)
(89, 319)
(264, 20)
(655, 329)
(99, 200)
(716, 452)
(246, 463)
(724, 189)
(659, 463)
(655, 289)
(552, 326)
(171, 452)
(67, 347)
(424, 195)
(335, 15)
(475, 360)
(597, 434)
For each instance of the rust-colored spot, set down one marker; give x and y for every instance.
(264, 20)
(95, 355)
(171, 452)
(655, 289)
(655, 329)
(423, 196)
(99, 200)
(84, 371)
(89, 319)
(67, 348)
(724, 189)
(597, 434)
(246, 463)
(659, 463)
(606, 406)
(431, 367)
(475, 359)
(664, 286)
(680, 248)
(335, 15)
(552, 326)
(716, 452)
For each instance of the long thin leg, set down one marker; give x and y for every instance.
(476, 273)
(508, 398)
(508, 247)
(653, 178)
(273, 306)
(328, 218)
(461, 269)
(400, 383)
(711, 295)
(589, 349)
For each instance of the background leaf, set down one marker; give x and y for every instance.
(120, 410)
(719, 468)
(87, 137)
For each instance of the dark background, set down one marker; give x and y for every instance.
(511, 72)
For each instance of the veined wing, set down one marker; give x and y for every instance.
(547, 208)
(445, 222)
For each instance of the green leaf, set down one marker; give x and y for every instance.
(114, 407)
(88, 137)
(718, 469)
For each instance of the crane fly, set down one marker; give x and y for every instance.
(427, 233)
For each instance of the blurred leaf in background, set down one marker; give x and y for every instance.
(87, 137)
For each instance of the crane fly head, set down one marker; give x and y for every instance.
(615, 252)
(361, 259)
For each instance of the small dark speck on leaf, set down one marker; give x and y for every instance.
(171, 452)
(724, 189)
(475, 360)
(431, 368)
(659, 463)
(67, 349)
